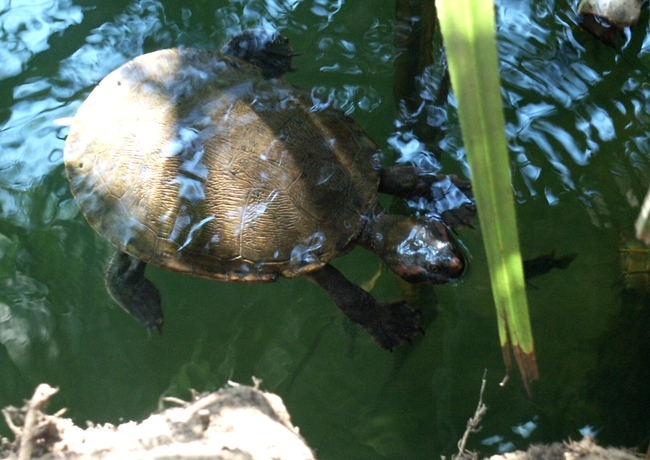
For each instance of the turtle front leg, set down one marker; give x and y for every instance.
(448, 196)
(125, 282)
(389, 323)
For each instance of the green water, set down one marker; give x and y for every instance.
(577, 114)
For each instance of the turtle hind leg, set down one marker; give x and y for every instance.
(125, 282)
(389, 323)
(270, 51)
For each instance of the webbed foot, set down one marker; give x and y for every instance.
(389, 323)
(270, 51)
(394, 324)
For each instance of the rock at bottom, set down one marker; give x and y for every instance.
(236, 423)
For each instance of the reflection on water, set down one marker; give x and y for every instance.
(26, 28)
(25, 318)
(574, 108)
(577, 125)
(31, 142)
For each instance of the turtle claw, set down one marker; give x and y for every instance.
(395, 324)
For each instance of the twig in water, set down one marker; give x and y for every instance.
(34, 406)
(473, 423)
(10, 423)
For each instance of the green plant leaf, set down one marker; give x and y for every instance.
(468, 32)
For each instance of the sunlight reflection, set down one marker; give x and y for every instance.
(26, 27)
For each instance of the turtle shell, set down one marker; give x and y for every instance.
(192, 161)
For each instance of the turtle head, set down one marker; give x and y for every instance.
(270, 51)
(419, 250)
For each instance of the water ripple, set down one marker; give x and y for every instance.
(30, 140)
(26, 27)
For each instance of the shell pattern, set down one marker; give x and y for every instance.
(190, 160)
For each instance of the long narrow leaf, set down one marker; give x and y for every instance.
(468, 31)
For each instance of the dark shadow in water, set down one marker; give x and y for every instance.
(619, 386)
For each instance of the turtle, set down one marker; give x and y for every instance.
(210, 163)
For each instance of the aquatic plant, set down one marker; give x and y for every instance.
(468, 30)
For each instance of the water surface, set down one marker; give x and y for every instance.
(577, 125)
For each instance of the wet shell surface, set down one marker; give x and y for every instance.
(192, 161)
